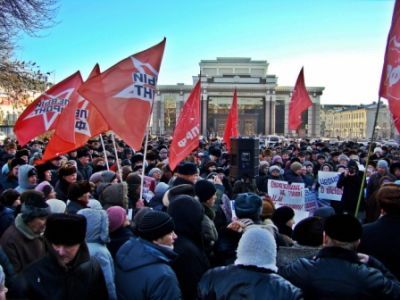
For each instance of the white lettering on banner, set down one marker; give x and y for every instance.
(143, 86)
(190, 135)
(81, 118)
(327, 189)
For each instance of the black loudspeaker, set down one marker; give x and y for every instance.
(244, 157)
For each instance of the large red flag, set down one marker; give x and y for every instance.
(299, 102)
(124, 93)
(42, 114)
(88, 123)
(390, 80)
(187, 130)
(232, 122)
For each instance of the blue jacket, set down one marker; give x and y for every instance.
(143, 272)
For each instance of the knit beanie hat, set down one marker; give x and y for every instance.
(295, 166)
(56, 206)
(44, 187)
(154, 225)
(257, 247)
(64, 229)
(343, 228)
(309, 232)
(382, 164)
(33, 206)
(204, 189)
(116, 217)
(248, 205)
(160, 189)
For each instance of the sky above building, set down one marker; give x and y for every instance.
(340, 43)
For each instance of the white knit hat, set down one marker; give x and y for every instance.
(257, 247)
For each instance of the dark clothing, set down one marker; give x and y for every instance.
(245, 282)
(381, 239)
(292, 177)
(118, 238)
(179, 181)
(143, 272)
(61, 190)
(74, 206)
(46, 279)
(336, 273)
(351, 188)
(8, 182)
(84, 171)
(6, 219)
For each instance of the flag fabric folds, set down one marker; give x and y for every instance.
(390, 79)
(42, 115)
(299, 102)
(88, 123)
(232, 122)
(187, 130)
(124, 93)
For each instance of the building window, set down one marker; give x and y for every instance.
(169, 113)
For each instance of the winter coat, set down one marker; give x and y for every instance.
(287, 255)
(46, 279)
(381, 239)
(84, 171)
(210, 234)
(292, 177)
(23, 184)
(351, 188)
(245, 282)
(96, 239)
(192, 261)
(8, 181)
(21, 245)
(74, 206)
(143, 272)
(118, 238)
(179, 181)
(6, 219)
(336, 273)
(61, 190)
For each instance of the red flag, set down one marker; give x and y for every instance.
(299, 102)
(390, 80)
(231, 128)
(124, 93)
(42, 114)
(88, 123)
(187, 130)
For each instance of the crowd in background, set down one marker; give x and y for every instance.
(88, 225)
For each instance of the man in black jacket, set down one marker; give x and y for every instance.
(67, 271)
(338, 272)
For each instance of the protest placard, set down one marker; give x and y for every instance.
(327, 189)
(285, 194)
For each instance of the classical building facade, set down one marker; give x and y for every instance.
(263, 105)
(356, 122)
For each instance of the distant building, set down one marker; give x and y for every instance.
(263, 104)
(356, 122)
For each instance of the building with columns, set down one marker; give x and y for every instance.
(263, 105)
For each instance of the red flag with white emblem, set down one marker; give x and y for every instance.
(231, 127)
(187, 130)
(88, 123)
(299, 102)
(124, 93)
(42, 114)
(390, 80)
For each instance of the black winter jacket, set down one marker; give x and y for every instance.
(336, 273)
(245, 282)
(46, 279)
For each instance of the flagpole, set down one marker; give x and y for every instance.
(116, 156)
(367, 162)
(144, 159)
(104, 152)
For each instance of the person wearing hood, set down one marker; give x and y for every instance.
(350, 182)
(142, 264)
(10, 179)
(96, 239)
(192, 261)
(67, 175)
(253, 274)
(7, 209)
(112, 194)
(27, 178)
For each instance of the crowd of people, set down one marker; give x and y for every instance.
(90, 225)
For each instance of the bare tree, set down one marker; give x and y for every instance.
(16, 16)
